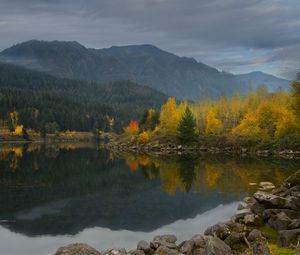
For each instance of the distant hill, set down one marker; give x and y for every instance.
(75, 105)
(256, 79)
(181, 77)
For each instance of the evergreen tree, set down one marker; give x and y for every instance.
(296, 97)
(187, 127)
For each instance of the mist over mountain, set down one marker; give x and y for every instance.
(181, 77)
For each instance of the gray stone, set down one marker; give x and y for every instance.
(215, 246)
(162, 250)
(187, 247)
(77, 249)
(252, 220)
(280, 221)
(292, 214)
(199, 241)
(136, 252)
(257, 208)
(199, 251)
(255, 234)
(269, 200)
(115, 252)
(166, 238)
(294, 224)
(288, 237)
(260, 247)
(156, 244)
(235, 226)
(234, 238)
(144, 246)
(220, 230)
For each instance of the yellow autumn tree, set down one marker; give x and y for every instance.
(144, 137)
(249, 127)
(213, 124)
(170, 115)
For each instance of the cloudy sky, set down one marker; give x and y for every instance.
(233, 35)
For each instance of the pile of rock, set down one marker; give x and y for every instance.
(279, 208)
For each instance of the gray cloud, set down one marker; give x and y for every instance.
(230, 34)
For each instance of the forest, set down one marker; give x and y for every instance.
(34, 100)
(256, 118)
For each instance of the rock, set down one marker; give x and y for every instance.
(215, 246)
(187, 247)
(294, 224)
(280, 221)
(166, 238)
(115, 252)
(260, 247)
(288, 237)
(253, 220)
(292, 181)
(292, 214)
(269, 200)
(249, 200)
(266, 186)
(235, 226)
(220, 230)
(77, 249)
(199, 251)
(255, 234)
(155, 244)
(292, 203)
(199, 241)
(241, 214)
(257, 208)
(145, 247)
(234, 238)
(136, 252)
(242, 206)
(162, 250)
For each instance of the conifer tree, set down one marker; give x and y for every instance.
(187, 127)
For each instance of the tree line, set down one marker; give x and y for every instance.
(258, 116)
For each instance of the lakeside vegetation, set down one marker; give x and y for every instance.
(257, 119)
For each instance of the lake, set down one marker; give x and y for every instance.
(53, 195)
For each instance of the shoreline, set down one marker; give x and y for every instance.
(173, 149)
(266, 223)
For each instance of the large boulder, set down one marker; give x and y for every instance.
(280, 221)
(288, 237)
(166, 238)
(215, 246)
(292, 214)
(187, 247)
(77, 249)
(162, 250)
(145, 247)
(219, 230)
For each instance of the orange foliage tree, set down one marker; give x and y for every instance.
(132, 128)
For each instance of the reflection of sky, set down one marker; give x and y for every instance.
(104, 238)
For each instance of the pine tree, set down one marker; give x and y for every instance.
(295, 94)
(187, 127)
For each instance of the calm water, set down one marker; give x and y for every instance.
(55, 195)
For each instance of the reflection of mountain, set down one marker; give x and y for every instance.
(53, 191)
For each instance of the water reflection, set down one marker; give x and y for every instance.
(65, 189)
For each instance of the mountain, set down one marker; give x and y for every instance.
(40, 98)
(181, 77)
(257, 79)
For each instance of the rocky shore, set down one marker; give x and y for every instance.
(184, 149)
(263, 224)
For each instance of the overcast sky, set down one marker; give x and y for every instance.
(233, 35)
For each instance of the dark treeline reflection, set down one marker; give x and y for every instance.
(63, 189)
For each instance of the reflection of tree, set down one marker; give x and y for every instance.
(230, 175)
(187, 171)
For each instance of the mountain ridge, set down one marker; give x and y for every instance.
(145, 64)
